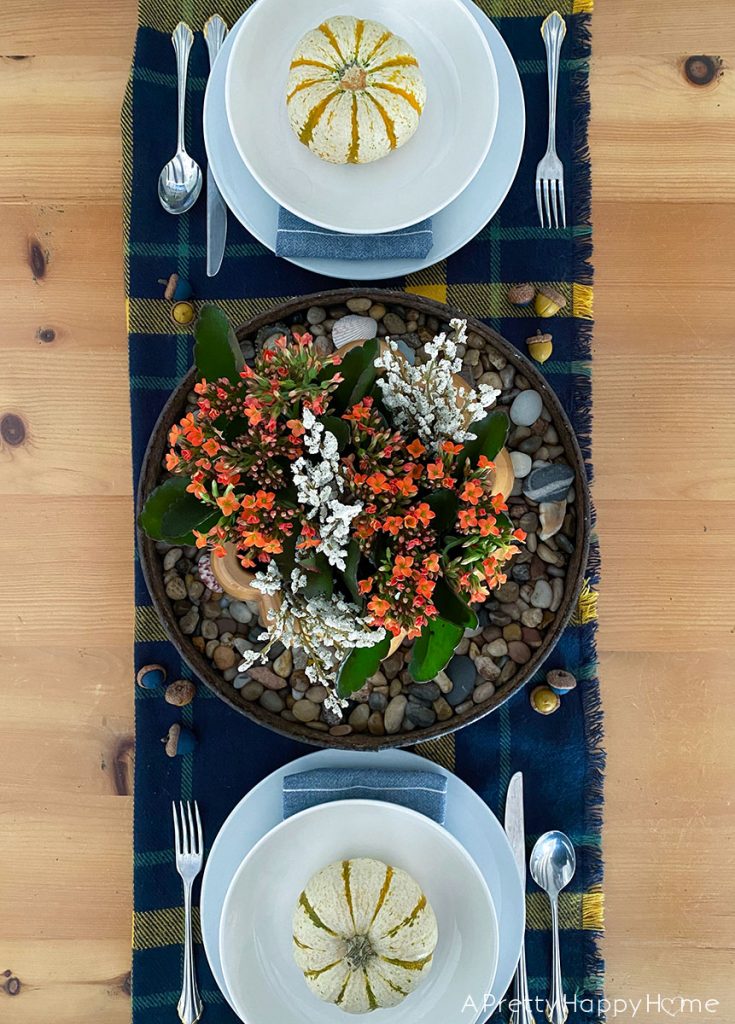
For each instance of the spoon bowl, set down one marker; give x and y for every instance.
(553, 862)
(180, 183)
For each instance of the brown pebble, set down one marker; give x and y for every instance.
(180, 693)
(317, 726)
(359, 718)
(375, 724)
(305, 711)
(512, 632)
(224, 657)
(519, 652)
(483, 692)
(300, 681)
(340, 730)
(264, 675)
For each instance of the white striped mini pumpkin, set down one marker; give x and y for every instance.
(355, 91)
(364, 934)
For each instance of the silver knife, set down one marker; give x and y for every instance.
(516, 832)
(215, 31)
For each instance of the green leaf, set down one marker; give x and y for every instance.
(491, 433)
(359, 665)
(232, 427)
(319, 576)
(216, 352)
(444, 505)
(365, 383)
(434, 648)
(352, 561)
(186, 515)
(171, 513)
(339, 428)
(452, 607)
(157, 502)
(352, 367)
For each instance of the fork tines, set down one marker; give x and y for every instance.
(187, 828)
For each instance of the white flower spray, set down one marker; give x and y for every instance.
(425, 399)
(319, 486)
(326, 629)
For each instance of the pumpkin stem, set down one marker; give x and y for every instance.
(353, 77)
(359, 951)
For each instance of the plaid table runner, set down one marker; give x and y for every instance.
(561, 754)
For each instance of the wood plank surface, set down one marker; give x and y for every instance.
(664, 214)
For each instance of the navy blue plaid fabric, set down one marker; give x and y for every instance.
(560, 754)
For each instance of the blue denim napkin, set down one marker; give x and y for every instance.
(298, 238)
(425, 792)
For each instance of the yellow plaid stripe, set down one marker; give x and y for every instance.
(586, 610)
(163, 17)
(148, 625)
(155, 928)
(440, 751)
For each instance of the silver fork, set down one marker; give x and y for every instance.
(550, 171)
(189, 855)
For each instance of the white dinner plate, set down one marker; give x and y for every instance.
(468, 819)
(453, 226)
(256, 930)
(412, 183)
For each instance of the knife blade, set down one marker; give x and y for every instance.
(515, 829)
(215, 31)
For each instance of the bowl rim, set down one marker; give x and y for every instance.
(400, 224)
(441, 833)
(203, 669)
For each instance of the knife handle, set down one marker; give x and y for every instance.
(520, 1012)
(215, 31)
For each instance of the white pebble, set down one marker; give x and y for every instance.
(521, 464)
(526, 408)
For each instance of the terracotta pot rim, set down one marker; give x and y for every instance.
(204, 670)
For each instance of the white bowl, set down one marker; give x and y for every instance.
(261, 976)
(412, 183)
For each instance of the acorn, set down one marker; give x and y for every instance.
(549, 301)
(540, 346)
(560, 682)
(183, 313)
(180, 693)
(179, 741)
(521, 294)
(544, 700)
(151, 677)
(177, 288)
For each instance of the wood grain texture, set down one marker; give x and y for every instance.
(664, 353)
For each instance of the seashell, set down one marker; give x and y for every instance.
(552, 517)
(354, 328)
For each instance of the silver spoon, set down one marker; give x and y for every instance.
(180, 181)
(552, 866)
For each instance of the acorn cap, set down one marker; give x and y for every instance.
(554, 295)
(560, 682)
(179, 740)
(521, 294)
(151, 677)
(180, 693)
(544, 700)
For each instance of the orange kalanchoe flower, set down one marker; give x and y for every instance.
(472, 492)
(228, 503)
(415, 449)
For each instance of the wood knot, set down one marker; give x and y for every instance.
(12, 985)
(700, 69)
(12, 429)
(124, 766)
(46, 334)
(126, 983)
(37, 259)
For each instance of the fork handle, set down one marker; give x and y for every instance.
(553, 31)
(190, 1005)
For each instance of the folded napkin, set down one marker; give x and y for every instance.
(425, 792)
(298, 238)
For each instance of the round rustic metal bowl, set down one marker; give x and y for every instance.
(293, 312)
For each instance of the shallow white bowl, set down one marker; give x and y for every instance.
(415, 181)
(261, 976)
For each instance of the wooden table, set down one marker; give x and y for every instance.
(664, 159)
